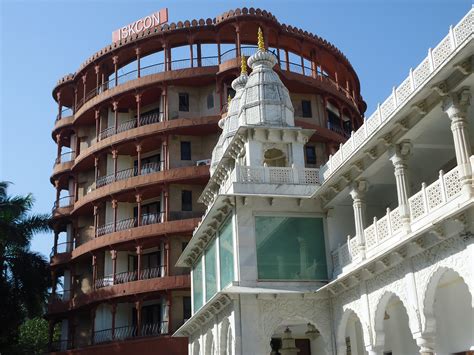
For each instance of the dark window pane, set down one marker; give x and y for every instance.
(185, 150)
(186, 200)
(186, 307)
(184, 102)
(306, 106)
(310, 154)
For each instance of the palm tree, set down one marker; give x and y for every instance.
(24, 274)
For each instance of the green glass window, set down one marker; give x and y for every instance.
(211, 271)
(197, 286)
(290, 248)
(226, 254)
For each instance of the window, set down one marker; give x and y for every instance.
(310, 151)
(226, 254)
(306, 107)
(211, 271)
(186, 307)
(184, 101)
(333, 120)
(290, 248)
(185, 150)
(197, 286)
(151, 260)
(274, 157)
(210, 101)
(186, 200)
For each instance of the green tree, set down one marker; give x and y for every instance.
(24, 274)
(33, 336)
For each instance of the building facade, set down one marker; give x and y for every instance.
(135, 132)
(369, 253)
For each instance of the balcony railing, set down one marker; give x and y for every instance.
(129, 276)
(66, 112)
(389, 229)
(66, 201)
(61, 345)
(146, 169)
(125, 126)
(64, 247)
(275, 175)
(130, 331)
(151, 218)
(59, 296)
(385, 112)
(65, 157)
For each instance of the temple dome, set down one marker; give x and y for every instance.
(265, 101)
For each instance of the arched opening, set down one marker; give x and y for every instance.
(274, 157)
(301, 339)
(354, 337)
(393, 333)
(453, 315)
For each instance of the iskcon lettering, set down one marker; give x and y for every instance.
(151, 21)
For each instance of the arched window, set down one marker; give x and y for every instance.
(274, 157)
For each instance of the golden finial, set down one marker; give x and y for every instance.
(261, 43)
(243, 66)
(228, 99)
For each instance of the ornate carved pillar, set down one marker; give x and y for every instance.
(138, 198)
(191, 54)
(114, 206)
(456, 106)
(97, 79)
(58, 142)
(115, 107)
(139, 262)
(166, 203)
(138, 99)
(96, 220)
(97, 124)
(426, 343)
(137, 52)
(287, 59)
(139, 159)
(96, 169)
(84, 81)
(358, 190)
(114, 157)
(399, 156)
(237, 40)
(115, 61)
(75, 99)
(60, 108)
(167, 253)
(113, 255)
(166, 154)
(94, 270)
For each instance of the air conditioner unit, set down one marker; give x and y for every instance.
(203, 162)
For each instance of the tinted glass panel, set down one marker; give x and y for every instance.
(290, 248)
(226, 254)
(197, 286)
(211, 271)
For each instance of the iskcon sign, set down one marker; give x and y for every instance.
(145, 23)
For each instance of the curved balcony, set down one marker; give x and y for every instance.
(144, 121)
(129, 276)
(121, 290)
(63, 163)
(129, 332)
(63, 206)
(179, 125)
(178, 223)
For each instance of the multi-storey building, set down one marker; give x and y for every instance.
(135, 131)
(371, 253)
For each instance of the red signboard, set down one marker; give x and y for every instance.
(148, 22)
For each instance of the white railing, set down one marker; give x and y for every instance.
(275, 175)
(430, 198)
(436, 57)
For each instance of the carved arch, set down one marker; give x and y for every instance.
(341, 330)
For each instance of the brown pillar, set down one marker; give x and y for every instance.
(55, 248)
(113, 254)
(60, 108)
(191, 54)
(97, 124)
(137, 52)
(97, 79)
(84, 80)
(218, 52)
(164, 109)
(58, 141)
(96, 220)
(93, 313)
(199, 56)
(71, 281)
(115, 107)
(167, 254)
(138, 99)
(75, 99)
(139, 262)
(278, 56)
(166, 203)
(96, 167)
(138, 198)
(165, 153)
(114, 157)
(139, 159)
(58, 192)
(287, 59)
(138, 307)
(76, 188)
(237, 41)
(115, 61)
(302, 64)
(114, 312)
(94, 270)
(170, 59)
(114, 206)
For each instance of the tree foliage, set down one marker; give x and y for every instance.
(24, 274)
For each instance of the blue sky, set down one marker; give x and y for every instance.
(40, 41)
